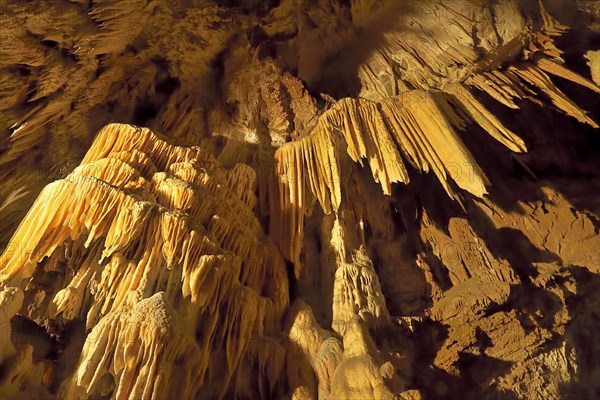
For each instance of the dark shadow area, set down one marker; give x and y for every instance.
(582, 335)
(435, 383)
(478, 371)
(561, 150)
(511, 245)
(338, 76)
(30, 333)
(144, 112)
(70, 344)
(425, 193)
(403, 299)
(292, 281)
(503, 167)
(260, 8)
(533, 304)
(432, 382)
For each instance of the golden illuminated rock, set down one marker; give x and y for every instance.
(299, 199)
(138, 246)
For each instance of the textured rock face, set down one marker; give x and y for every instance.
(170, 271)
(299, 199)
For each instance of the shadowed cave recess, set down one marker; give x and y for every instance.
(299, 199)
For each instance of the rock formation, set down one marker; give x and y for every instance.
(299, 199)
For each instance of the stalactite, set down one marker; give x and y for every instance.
(416, 126)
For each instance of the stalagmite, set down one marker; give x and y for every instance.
(362, 373)
(312, 350)
(356, 287)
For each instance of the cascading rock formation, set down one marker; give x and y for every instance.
(299, 199)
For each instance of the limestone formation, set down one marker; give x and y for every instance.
(129, 248)
(305, 199)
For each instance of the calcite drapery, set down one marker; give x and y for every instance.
(158, 260)
(419, 125)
